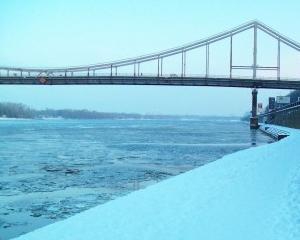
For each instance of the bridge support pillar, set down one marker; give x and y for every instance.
(254, 119)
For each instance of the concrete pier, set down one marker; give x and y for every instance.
(254, 118)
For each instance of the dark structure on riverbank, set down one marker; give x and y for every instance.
(288, 115)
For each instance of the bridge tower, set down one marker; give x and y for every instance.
(254, 119)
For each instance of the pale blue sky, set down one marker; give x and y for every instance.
(64, 33)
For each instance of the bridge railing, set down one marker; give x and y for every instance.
(69, 75)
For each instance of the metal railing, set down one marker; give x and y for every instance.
(289, 107)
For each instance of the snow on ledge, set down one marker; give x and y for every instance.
(252, 194)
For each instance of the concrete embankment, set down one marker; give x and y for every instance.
(251, 194)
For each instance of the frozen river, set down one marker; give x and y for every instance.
(52, 169)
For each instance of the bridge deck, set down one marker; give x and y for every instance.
(146, 80)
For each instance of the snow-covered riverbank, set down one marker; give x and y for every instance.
(251, 194)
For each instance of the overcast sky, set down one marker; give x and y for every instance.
(67, 33)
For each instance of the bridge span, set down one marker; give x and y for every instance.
(154, 80)
(113, 72)
(93, 74)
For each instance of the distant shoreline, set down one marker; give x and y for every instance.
(142, 118)
(20, 111)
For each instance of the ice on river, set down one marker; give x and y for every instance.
(251, 194)
(53, 169)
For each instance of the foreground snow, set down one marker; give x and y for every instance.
(251, 194)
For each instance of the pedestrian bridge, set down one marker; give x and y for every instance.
(110, 73)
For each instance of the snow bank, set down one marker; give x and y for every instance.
(251, 194)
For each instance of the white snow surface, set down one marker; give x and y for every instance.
(251, 194)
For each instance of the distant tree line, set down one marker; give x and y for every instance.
(295, 95)
(82, 114)
(246, 116)
(18, 110)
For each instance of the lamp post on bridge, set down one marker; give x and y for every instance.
(254, 118)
